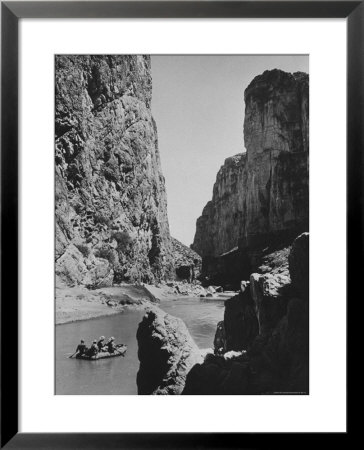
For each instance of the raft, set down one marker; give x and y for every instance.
(103, 355)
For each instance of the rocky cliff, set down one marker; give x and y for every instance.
(166, 352)
(261, 346)
(260, 198)
(222, 218)
(187, 262)
(263, 340)
(111, 207)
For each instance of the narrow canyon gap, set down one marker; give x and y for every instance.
(114, 252)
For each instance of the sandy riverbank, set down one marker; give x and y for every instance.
(79, 303)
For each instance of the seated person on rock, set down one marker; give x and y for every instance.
(81, 349)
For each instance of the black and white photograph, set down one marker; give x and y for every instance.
(181, 224)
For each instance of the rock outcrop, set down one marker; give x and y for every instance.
(166, 352)
(111, 207)
(240, 322)
(276, 138)
(271, 291)
(274, 357)
(260, 198)
(221, 221)
(261, 347)
(186, 261)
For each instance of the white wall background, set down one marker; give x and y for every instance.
(324, 408)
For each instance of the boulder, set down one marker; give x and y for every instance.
(240, 321)
(220, 339)
(166, 352)
(270, 291)
(198, 291)
(219, 376)
(270, 300)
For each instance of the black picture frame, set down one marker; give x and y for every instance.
(11, 12)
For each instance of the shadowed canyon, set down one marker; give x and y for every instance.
(114, 249)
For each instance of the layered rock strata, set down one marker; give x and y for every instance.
(260, 198)
(111, 207)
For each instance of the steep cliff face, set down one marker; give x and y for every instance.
(261, 346)
(220, 225)
(111, 208)
(187, 262)
(222, 218)
(260, 198)
(276, 139)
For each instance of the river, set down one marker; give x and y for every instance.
(118, 375)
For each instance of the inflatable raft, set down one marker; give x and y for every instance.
(103, 355)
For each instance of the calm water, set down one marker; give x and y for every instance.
(118, 375)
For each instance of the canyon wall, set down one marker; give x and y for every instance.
(110, 206)
(261, 346)
(260, 198)
(222, 218)
(187, 262)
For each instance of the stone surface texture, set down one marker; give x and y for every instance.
(111, 206)
(221, 220)
(166, 352)
(240, 322)
(261, 346)
(186, 261)
(271, 290)
(299, 265)
(260, 197)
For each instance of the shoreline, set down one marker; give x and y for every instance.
(89, 317)
(75, 304)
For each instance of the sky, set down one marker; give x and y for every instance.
(198, 105)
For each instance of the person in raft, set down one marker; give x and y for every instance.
(111, 347)
(101, 344)
(81, 348)
(94, 350)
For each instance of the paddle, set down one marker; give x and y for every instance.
(73, 354)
